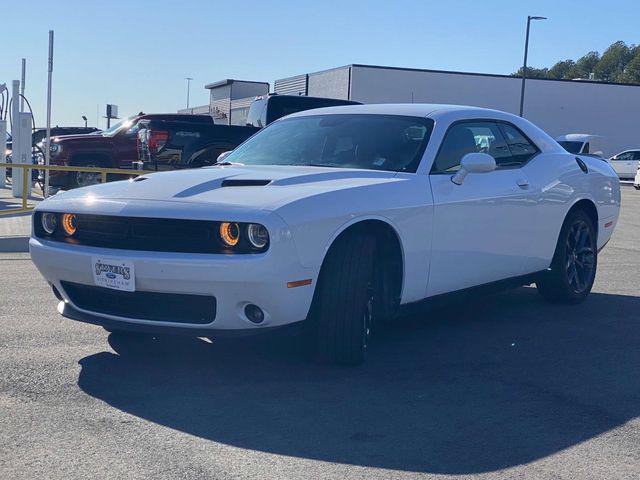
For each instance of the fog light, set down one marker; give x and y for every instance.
(254, 313)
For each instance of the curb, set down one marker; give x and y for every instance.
(14, 244)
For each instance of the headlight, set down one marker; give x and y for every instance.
(229, 233)
(55, 148)
(258, 235)
(49, 222)
(69, 224)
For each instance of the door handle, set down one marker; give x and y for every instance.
(522, 183)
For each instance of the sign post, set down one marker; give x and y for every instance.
(47, 143)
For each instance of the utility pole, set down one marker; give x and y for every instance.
(47, 151)
(524, 65)
(188, 79)
(22, 84)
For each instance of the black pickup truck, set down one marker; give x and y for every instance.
(168, 145)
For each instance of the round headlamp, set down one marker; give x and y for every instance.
(69, 224)
(229, 233)
(49, 222)
(258, 235)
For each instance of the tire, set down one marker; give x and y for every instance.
(85, 179)
(342, 310)
(575, 261)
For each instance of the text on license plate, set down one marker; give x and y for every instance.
(113, 273)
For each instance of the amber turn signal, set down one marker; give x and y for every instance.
(69, 223)
(229, 233)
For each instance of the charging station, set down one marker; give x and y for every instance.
(21, 141)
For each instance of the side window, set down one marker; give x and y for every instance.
(636, 155)
(521, 148)
(624, 156)
(470, 137)
(585, 148)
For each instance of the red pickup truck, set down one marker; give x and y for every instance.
(115, 147)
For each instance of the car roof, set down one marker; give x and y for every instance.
(409, 109)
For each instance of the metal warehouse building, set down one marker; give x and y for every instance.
(558, 106)
(610, 110)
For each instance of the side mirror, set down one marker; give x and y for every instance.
(474, 163)
(222, 156)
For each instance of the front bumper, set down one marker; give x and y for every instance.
(234, 280)
(68, 311)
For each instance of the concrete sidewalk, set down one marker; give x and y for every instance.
(15, 228)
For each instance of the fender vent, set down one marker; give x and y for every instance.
(582, 165)
(245, 183)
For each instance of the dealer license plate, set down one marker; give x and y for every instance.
(114, 273)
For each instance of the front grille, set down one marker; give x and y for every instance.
(161, 307)
(147, 234)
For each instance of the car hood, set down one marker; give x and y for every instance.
(80, 138)
(229, 188)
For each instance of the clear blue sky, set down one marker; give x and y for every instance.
(136, 53)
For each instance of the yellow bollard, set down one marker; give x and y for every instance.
(25, 185)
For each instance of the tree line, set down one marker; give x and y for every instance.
(619, 63)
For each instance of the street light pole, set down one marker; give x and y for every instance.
(188, 79)
(524, 64)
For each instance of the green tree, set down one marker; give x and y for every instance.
(612, 63)
(533, 72)
(565, 69)
(586, 64)
(631, 73)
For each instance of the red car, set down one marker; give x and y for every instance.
(115, 147)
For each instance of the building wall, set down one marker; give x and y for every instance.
(330, 83)
(292, 85)
(220, 103)
(242, 90)
(558, 107)
(201, 109)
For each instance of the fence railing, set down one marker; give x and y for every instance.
(26, 178)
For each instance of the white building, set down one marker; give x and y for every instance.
(559, 106)
(229, 100)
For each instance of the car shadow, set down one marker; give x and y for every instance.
(477, 385)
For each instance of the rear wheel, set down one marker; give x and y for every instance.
(343, 308)
(573, 269)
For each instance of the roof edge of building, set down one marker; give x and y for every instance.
(478, 74)
(229, 81)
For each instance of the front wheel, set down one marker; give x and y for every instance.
(573, 270)
(342, 311)
(85, 179)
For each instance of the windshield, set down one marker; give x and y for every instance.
(111, 131)
(571, 146)
(375, 142)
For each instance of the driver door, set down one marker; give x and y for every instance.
(482, 229)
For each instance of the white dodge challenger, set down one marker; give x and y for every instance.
(335, 218)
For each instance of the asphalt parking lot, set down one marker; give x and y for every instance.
(499, 387)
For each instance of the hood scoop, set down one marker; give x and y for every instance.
(232, 182)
